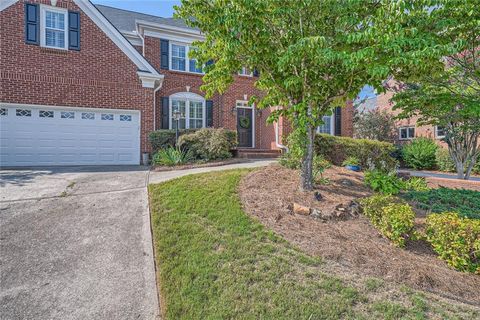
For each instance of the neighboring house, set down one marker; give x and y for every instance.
(407, 129)
(84, 84)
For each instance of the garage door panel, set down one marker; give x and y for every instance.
(45, 140)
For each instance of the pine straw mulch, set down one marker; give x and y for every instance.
(350, 246)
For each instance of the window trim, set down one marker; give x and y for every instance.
(244, 73)
(437, 136)
(406, 128)
(187, 97)
(187, 58)
(332, 125)
(43, 27)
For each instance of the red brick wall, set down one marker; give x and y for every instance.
(384, 103)
(100, 75)
(223, 115)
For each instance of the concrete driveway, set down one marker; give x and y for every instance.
(75, 243)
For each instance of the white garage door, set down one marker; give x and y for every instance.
(44, 136)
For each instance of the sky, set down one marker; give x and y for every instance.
(162, 8)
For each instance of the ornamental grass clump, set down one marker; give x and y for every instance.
(392, 217)
(420, 154)
(456, 240)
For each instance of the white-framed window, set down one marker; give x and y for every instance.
(245, 72)
(54, 24)
(192, 110)
(406, 133)
(179, 57)
(179, 60)
(439, 132)
(327, 126)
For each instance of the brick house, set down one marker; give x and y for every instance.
(405, 129)
(85, 84)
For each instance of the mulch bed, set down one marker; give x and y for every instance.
(351, 246)
(216, 163)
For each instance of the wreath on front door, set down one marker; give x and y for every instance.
(244, 122)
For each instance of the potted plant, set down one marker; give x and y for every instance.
(352, 163)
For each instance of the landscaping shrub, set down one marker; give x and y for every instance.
(162, 139)
(320, 164)
(444, 161)
(383, 182)
(392, 217)
(296, 143)
(370, 153)
(209, 144)
(456, 240)
(351, 161)
(171, 156)
(415, 184)
(420, 154)
(465, 202)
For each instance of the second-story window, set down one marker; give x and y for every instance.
(179, 60)
(54, 31)
(245, 72)
(179, 57)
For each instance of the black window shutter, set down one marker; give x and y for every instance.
(164, 54)
(73, 30)
(209, 105)
(209, 62)
(338, 121)
(255, 72)
(165, 113)
(32, 23)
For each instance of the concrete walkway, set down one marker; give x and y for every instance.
(75, 242)
(427, 174)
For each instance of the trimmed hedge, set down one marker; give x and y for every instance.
(209, 144)
(368, 152)
(394, 218)
(162, 139)
(456, 240)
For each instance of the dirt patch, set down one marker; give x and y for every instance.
(351, 246)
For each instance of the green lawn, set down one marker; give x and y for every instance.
(217, 263)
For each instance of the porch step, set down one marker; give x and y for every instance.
(258, 153)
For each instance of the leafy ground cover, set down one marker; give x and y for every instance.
(465, 202)
(216, 262)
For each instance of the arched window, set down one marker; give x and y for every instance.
(192, 110)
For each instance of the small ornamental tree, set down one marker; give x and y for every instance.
(374, 125)
(451, 99)
(311, 55)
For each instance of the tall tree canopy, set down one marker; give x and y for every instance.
(311, 55)
(451, 98)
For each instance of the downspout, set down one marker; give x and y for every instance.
(155, 106)
(277, 138)
(142, 38)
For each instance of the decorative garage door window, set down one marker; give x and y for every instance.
(125, 117)
(23, 113)
(107, 116)
(3, 111)
(67, 115)
(88, 115)
(45, 114)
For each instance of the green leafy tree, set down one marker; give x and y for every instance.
(375, 125)
(311, 55)
(451, 98)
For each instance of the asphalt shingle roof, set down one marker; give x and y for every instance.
(124, 20)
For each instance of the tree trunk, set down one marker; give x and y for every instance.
(460, 169)
(307, 164)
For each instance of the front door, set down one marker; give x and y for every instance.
(245, 127)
